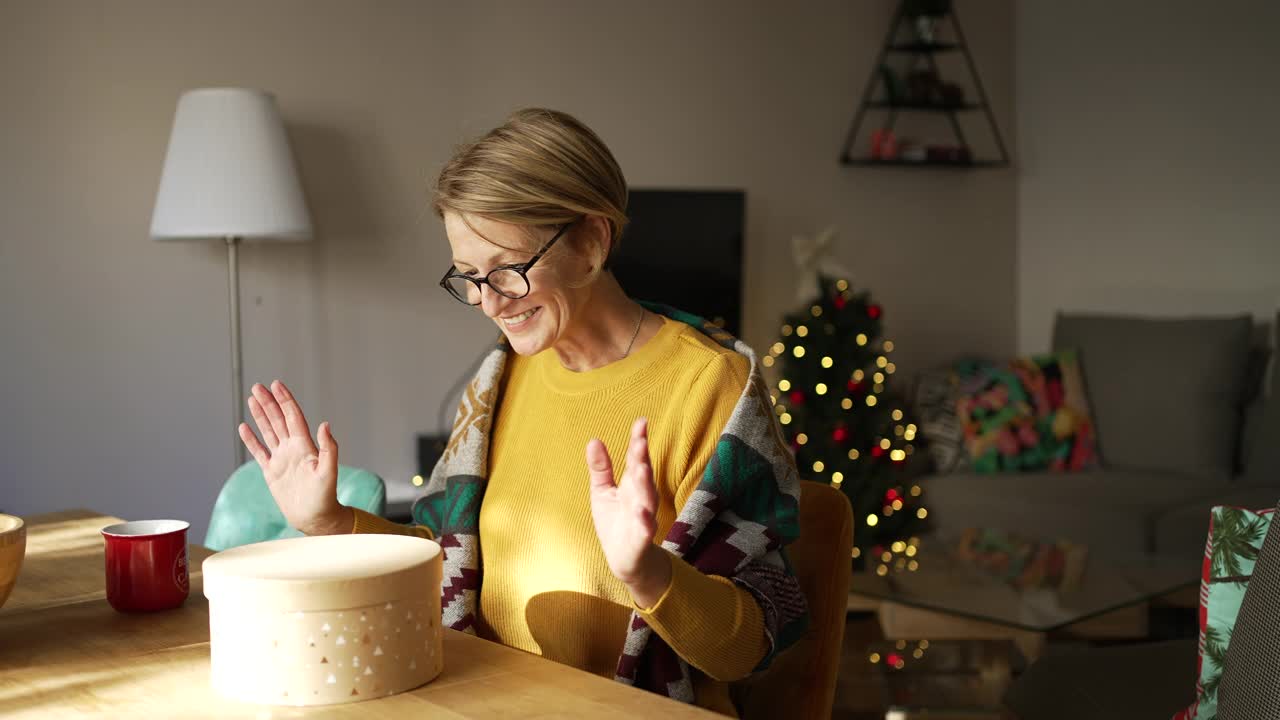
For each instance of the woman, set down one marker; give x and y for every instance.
(662, 569)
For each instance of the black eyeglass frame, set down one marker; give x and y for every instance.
(522, 269)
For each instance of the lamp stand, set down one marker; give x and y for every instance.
(237, 370)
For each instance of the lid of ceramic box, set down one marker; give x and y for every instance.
(325, 572)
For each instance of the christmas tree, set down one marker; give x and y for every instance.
(834, 403)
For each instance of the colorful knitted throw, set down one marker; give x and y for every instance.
(735, 524)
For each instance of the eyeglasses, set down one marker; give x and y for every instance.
(511, 281)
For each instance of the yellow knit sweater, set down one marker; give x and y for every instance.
(547, 588)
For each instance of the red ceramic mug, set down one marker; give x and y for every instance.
(146, 565)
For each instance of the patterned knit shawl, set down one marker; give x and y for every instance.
(734, 525)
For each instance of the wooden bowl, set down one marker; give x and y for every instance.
(13, 546)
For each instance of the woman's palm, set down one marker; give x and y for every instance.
(302, 478)
(624, 513)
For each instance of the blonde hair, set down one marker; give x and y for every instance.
(541, 167)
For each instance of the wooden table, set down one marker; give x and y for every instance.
(65, 653)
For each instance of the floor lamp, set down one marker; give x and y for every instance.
(229, 175)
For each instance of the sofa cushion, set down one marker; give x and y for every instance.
(1250, 686)
(1262, 435)
(1180, 529)
(1028, 414)
(1251, 434)
(1166, 393)
(933, 398)
(1114, 509)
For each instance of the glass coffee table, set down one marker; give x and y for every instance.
(951, 603)
(946, 585)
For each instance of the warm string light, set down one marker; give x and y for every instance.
(899, 555)
(865, 385)
(417, 481)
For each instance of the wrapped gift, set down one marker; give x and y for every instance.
(323, 620)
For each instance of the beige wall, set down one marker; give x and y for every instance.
(115, 384)
(1149, 159)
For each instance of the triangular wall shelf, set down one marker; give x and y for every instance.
(883, 95)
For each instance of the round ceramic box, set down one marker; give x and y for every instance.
(323, 620)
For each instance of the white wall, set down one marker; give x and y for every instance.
(1149, 143)
(114, 348)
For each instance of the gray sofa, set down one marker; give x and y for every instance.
(1181, 422)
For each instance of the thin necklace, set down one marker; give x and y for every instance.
(636, 334)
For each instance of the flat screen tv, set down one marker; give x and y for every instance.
(683, 248)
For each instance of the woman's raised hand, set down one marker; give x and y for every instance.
(624, 516)
(302, 478)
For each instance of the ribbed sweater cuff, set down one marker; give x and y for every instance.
(366, 522)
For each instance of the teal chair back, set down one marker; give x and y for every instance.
(247, 513)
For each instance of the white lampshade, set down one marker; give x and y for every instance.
(229, 171)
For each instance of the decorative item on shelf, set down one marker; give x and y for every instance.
(943, 154)
(923, 90)
(1024, 563)
(884, 146)
(834, 405)
(912, 152)
(894, 92)
(933, 9)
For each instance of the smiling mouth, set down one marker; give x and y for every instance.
(518, 319)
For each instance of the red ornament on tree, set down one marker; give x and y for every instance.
(890, 495)
(839, 302)
(873, 311)
(876, 451)
(840, 434)
(796, 397)
(855, 386)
